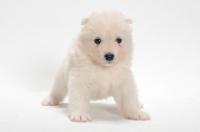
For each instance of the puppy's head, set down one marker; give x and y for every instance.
(106, 38)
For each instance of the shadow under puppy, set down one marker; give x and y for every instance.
(97, 66)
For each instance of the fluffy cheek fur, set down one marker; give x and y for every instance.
(99, 51)
(96, 52)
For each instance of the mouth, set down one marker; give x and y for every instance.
(108, 63)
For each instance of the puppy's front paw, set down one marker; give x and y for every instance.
(137, 115)
(80, 117)
(49, 101)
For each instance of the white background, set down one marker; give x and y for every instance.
(33, 39)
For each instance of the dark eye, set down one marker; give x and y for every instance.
(119, 40)
(97, 40)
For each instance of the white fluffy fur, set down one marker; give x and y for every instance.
(85, 74)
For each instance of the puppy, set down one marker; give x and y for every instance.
(98, 66)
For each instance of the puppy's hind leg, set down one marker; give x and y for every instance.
(59, 90)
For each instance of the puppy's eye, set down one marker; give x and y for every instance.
(97, 40)
(119, 40)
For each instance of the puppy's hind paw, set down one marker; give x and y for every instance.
(137, 115)
(80, 117)
(49, 101)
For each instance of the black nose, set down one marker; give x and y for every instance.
(109, 56)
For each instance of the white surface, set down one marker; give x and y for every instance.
(33, 39)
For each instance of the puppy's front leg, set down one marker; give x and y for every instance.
(78, 101)
(127, 100)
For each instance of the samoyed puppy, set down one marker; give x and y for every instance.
(98, 66)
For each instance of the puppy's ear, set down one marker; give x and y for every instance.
(129, 21)
(84, 21)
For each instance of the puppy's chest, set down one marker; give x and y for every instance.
(101, 83)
